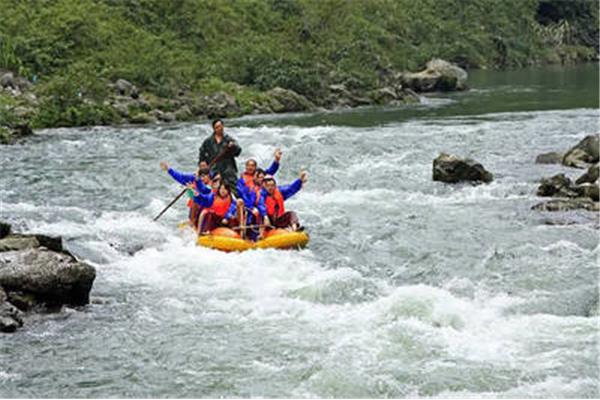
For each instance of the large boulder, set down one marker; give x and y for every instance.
(52, 278)
(438, 75)
(583, 153)
(289, 100)
(452, 169)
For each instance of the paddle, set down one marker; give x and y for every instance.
(215, 160)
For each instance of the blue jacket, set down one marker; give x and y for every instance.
(184, 179)
(288, 191)
(207, 200)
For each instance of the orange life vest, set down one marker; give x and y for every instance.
(275, 203)
(248, 180)
(220, 206)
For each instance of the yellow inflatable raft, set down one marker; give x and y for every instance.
(226, 239)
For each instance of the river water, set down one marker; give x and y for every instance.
(409, 287)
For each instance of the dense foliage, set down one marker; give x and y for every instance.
(303, 45)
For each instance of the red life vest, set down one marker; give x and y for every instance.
(220, 206)
(248, 180)
(275, 203)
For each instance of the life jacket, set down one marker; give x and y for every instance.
(220, 206)
(274, 204)
(248, 180)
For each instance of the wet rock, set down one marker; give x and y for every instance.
(52, 278)
(583, 153)
(438, 75)
(591, 176)
(549, 158)
(452, 169)
(10, 316)
(290, 100)
(558, 185)
(567, 205)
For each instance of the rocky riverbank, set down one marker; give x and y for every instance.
(26, 105)
(37, 274)
(566, 194)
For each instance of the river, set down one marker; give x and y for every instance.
(409, 287)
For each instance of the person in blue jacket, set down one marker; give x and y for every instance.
(199, 181)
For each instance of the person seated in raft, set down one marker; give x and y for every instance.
(254, 205)
(199, 181)
(218, 209)
(247, 178)
(277, 216)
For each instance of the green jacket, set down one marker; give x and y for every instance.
(227, 166)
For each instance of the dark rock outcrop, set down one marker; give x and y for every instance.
(583, 153)
(52, 278)
(452, 169)
(591, 176)
(37, 272)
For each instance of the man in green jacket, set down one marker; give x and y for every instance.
(212, 146)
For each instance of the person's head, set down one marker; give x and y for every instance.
(223, 190)
(259, 176)
(269, 184)
(204, 175)
(251, 166)
(217, 126)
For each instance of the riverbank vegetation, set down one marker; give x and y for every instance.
(72, 51)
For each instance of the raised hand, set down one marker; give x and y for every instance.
(278, 154)
(303, 176)
(164, 166)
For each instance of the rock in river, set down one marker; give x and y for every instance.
(452, 169)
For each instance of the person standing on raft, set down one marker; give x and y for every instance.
(212, 146)
(277, 216)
